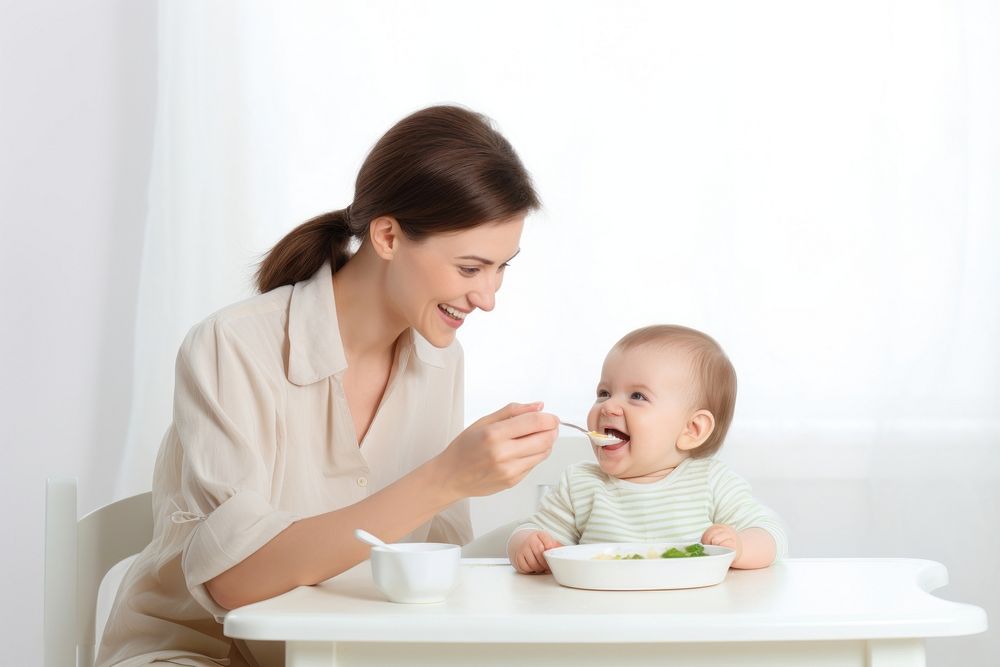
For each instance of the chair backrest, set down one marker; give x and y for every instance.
(78, 554)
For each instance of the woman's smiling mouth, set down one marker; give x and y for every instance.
(452, 316)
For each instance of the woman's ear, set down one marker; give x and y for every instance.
(383, 232)
(696, 431)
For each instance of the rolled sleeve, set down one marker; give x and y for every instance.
(226, 537)
(224, 416)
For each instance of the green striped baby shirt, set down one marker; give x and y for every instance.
(590, 506)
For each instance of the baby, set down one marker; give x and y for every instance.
(669, 393)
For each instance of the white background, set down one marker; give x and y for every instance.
(814, 184)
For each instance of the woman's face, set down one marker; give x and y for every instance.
(438, 282)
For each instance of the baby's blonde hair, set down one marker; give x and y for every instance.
(713, 372)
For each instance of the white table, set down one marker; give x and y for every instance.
(820, 612)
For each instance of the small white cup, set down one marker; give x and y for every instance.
(419, 572)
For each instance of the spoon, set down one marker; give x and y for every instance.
(368, 538)
(599, 439)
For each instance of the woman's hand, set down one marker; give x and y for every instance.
(527, 548)
(497, 451)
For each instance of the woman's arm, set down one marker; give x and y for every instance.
(493, 454)
(314, 549)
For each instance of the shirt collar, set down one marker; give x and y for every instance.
(425, 352)
(315, 348)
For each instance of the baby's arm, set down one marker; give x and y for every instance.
(754, 547)
(526, 550)
(553, 525)
(741, 522)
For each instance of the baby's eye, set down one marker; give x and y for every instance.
(637, 396)
(602, 393)
(469, 270)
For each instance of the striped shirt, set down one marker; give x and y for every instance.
(590, 506)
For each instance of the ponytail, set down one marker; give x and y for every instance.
(439, 170)
(303, 251)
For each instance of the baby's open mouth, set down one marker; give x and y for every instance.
(621, 435)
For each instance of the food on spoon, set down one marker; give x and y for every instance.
(609, 438)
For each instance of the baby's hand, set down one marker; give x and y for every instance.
(724, 536)
(527, 551)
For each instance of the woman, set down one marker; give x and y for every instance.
(327, 403)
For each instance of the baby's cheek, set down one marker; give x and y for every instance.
(595, 411)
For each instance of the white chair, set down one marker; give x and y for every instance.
(492, 544)
(78, 554)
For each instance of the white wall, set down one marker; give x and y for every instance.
(77, 93)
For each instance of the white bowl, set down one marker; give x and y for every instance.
(419, 572)
(579, 567)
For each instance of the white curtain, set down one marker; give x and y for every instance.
(218, 189)
(814, 184)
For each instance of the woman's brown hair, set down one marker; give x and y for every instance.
(438, 170)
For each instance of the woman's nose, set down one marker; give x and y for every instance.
(484, 297)
(483, 300)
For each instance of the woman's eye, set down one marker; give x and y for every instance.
(503, 266)
(637, 396)
(469, 270)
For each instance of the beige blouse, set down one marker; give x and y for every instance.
(262, 436)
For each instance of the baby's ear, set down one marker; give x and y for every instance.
(696, 431)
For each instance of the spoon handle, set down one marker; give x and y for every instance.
(578, 428)
(368, 538)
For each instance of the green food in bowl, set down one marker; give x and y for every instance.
(690, 551)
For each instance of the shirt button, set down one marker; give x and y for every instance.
(362, 482)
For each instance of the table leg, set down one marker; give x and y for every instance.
(310, 654)
(896, 653)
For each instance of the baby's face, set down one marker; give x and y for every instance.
(646, 397)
